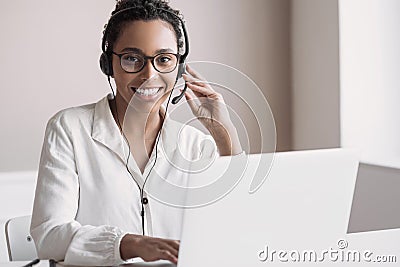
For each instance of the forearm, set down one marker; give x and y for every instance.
(127, 247)
(78, 245)
(227, 140)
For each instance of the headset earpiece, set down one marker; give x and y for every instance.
(106, 64)
(181, 70)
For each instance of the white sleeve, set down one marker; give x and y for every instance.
(56, 233)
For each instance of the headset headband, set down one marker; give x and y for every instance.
(182, 58)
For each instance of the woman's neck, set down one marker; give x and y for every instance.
(143, 125)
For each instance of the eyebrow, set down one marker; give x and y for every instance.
(140, 51)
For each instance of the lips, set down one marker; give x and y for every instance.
(148, 91)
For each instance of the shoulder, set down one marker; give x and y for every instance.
(79, 121)
(69, 117)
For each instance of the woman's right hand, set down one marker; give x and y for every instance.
(149, 248)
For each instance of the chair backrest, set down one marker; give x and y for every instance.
(20, 244)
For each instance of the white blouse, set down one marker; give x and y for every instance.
(86, 200)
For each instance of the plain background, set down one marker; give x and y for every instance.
(50, 53)
(49, 60)
(290, 48)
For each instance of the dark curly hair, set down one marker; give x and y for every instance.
(145, 10)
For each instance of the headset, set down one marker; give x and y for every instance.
(106, 68)
(106, 58)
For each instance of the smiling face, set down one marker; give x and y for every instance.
(147, 89)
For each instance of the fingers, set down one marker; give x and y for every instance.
(196, 87)
(174, 244)
(170, 253)
(167, 255)
(168, 250)
(199, 85)
(192, 80)
(152, 249)
(208, 92)
(192, 103)
(194, 73)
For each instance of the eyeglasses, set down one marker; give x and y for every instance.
(133, 62)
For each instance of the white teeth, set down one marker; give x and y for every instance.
(147, 91)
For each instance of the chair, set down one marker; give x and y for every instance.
(20, 244)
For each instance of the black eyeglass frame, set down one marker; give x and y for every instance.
(146, 58)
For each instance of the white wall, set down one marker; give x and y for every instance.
(48, 61)
(315, 74)
(50, 50)
(252, 36)
(370, 80)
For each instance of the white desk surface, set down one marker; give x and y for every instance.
(22, 263)
(45, 263)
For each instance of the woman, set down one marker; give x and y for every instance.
(91, 206)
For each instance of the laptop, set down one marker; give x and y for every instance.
(275, 209)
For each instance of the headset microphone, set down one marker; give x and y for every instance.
(181, 71)
(176, 99)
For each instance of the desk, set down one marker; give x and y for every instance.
(45, 263)
(22, 263)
